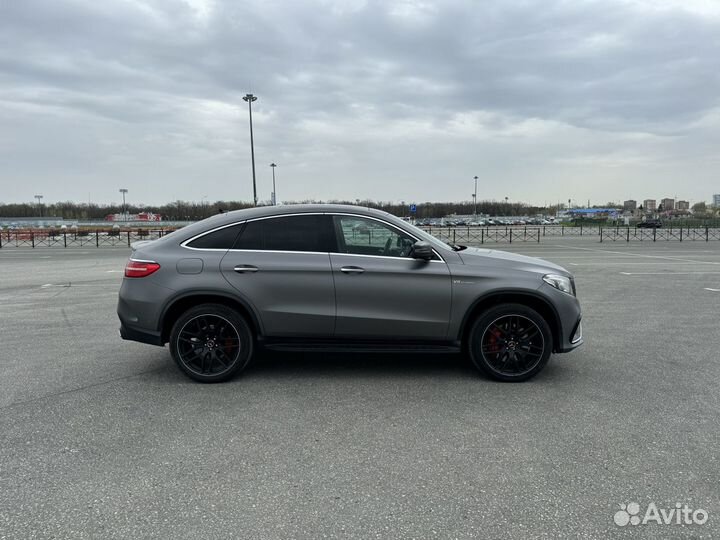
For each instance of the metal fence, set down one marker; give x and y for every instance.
(83, 238)
(628, 234)
(484, 235)
(517, 230)
(453, 235)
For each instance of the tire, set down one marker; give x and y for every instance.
(211, 343)
(510, 342)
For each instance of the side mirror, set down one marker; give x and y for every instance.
(422, 250)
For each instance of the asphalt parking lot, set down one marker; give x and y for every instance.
(105, 438)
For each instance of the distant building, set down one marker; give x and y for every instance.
(650, 205)
(597, 213)
(142, 216)
(630, 205)
(683, 205)
(716, 200)
(668, 204)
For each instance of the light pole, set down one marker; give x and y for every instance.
(475, 198)
(250, 98)
(274, 197)
(124, 191)
(39, 200)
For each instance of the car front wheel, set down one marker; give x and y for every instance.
(211, 343)
(510, 342)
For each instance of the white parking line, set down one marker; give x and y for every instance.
(713, 290)
(643, 255)
(601, 263)
(664, 273)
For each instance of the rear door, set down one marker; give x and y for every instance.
(281, 265)
(382, 292)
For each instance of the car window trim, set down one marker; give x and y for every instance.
(331, 214)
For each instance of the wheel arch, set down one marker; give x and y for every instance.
(178, 305)
(530, 299)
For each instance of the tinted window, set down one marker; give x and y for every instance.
(220, 239)
(363, 236)
(292, 233)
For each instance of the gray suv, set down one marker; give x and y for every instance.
(341, 278)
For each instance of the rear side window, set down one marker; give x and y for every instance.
(221, 239)
(291, 233)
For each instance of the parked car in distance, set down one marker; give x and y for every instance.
(650, 224)
(341, 278)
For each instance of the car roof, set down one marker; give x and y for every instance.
(263, 211)
(227, 218)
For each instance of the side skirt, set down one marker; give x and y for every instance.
(360, 346)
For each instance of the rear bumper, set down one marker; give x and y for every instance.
(142, 336)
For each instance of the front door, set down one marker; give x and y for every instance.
(382, 292)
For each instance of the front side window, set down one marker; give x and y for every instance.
(290, 233)
(362, 236)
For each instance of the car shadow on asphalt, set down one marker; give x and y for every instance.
(296, 365)
(349, 364)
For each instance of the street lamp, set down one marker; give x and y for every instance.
(250, 98)
(124, 191)
(274, 194)
(39, 200)
(475, 198)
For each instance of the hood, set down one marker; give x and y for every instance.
(472, 256)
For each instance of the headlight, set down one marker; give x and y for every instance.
(559, 282)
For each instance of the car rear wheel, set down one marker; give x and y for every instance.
(211, 343)
(510, 342)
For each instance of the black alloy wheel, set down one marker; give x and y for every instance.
(510, 342)
(211, 343)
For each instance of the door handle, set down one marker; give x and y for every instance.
(352, 270)
(242, 269)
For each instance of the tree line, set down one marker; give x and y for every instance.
(189, 210)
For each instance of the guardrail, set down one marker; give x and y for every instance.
(485, 235)
(627, 234)
(81, 238)
(33, 238)
(490, 230)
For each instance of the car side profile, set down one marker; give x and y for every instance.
(341, 278)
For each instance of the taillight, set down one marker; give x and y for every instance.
(135, 268)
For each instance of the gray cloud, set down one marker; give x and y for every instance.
(360, 99)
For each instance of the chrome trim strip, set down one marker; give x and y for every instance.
(275, 251)
(385, 257)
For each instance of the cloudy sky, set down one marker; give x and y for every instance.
(387, 100)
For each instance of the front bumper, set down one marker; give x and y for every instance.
(574, 340)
